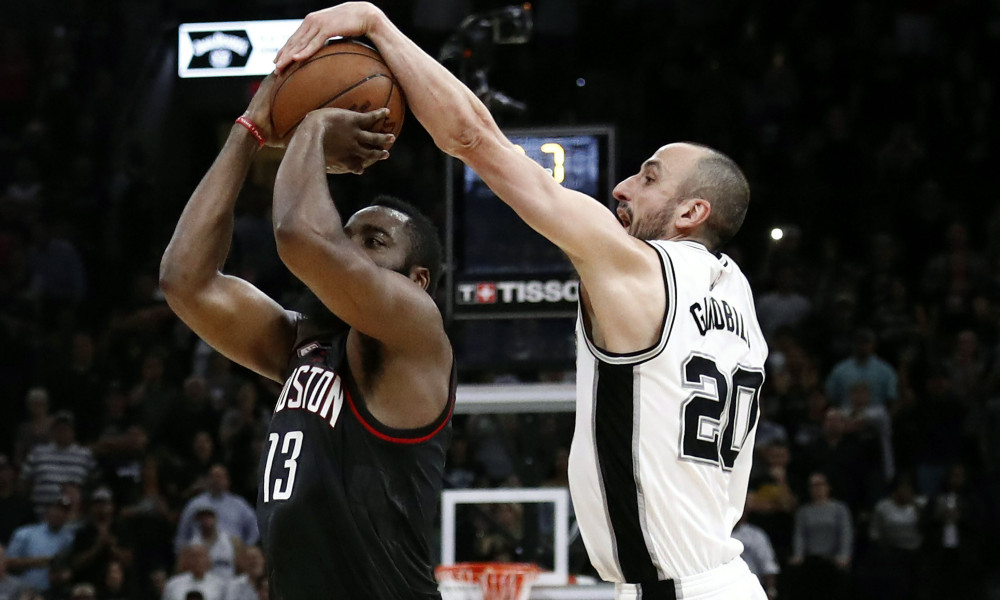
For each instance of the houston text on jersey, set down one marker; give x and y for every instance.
(315, 389)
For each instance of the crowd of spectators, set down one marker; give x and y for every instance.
(128, 449)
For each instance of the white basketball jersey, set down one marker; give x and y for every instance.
(662, 448)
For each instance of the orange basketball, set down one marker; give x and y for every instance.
(346, 73)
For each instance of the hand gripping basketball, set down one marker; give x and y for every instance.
(258, 113)
(348, 142)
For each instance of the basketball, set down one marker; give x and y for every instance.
(346, 73)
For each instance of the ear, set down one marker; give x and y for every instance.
(693, 213)
(421, 275)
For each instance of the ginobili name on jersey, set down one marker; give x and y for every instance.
(315, 389)
(711, 314)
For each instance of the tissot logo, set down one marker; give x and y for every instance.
(219, 49)
(518, 292)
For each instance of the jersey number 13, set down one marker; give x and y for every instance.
(708, 435)
(290, 447)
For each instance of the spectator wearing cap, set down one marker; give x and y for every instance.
(235, 516)
(221, 547)
(101, 540)
(33, 547)
(863, 366)
(10, 586)
(15, 510)
(50, 465)
(194, 575)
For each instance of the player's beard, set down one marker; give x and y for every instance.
(653, 227)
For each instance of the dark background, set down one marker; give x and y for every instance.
(868, 131)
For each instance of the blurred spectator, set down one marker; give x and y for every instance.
(221, 548)
(33, 548)
(15, 510)
(863, 366)
(83, 591)
(967, 367)
(941, 416)
(102, 539)
(195, 465)
(808, 425)
(895, 531)
(235, 516)
(848, 465)
(771, 501)
(151, 519)
(190, 414)
(77, 384)
(194, 575)
(823, 543)
(37, 429)
(783, 306)
(120, 447)
(152, 396)
(954, 276)
(251, 575)
(241, 434)
(459, 471)
(758, 553)
(872, 426)
(10, 587)
(955, 538)
(115, 586)
(222, 384)
(59, 277)
(48, 466)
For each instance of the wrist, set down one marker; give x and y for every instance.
(376, 22)
(251, 128)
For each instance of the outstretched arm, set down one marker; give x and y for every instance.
(462, 126)
(230, 314)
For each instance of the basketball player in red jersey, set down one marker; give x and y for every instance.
(351, 471)
(670, 358)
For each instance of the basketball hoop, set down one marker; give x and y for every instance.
(498, 581)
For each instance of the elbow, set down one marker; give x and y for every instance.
(293, 239)
(465, 138)
(172, 279)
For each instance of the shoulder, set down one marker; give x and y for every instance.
(22, 533)
(239, 501)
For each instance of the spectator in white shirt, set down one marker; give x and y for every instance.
(194, 576)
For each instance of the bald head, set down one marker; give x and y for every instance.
(713, 176)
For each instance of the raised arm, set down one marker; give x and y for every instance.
(462, 126)
(376, 300)
(230, 314)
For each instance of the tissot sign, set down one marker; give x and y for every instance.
(517, 295)
(231, 49)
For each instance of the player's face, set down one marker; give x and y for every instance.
(648, 201)
(382, 233)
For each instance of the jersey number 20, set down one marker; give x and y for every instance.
(705, 435)
(291, 446)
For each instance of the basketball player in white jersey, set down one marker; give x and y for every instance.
(671, 359)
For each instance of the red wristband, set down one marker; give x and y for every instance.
(254, 130)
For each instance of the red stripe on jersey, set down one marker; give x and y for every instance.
(398, 440)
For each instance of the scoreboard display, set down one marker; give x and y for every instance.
(500, 267)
